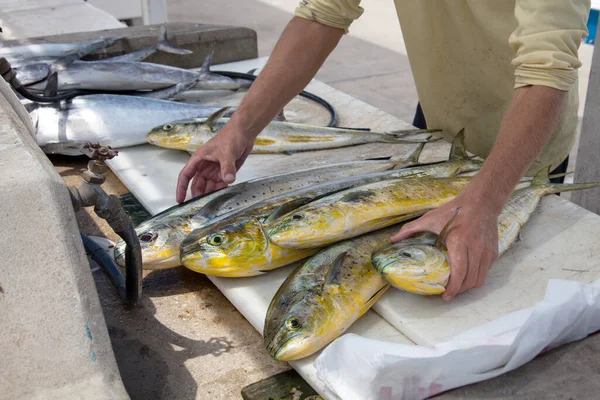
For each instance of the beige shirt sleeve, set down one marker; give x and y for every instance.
(336, 13)
(547, 40)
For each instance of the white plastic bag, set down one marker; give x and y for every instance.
(358, 368)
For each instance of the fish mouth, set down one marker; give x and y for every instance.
(281, 353)
(274, 349)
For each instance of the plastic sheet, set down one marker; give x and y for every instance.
(354, 367)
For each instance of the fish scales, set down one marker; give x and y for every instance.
(323, 297)
(362, 209)
(277, 137)
(161, 235)
(234, 249)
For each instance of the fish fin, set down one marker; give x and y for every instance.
(458, 151)
(286, 208)
(211, 121)
(168, 92)
(252, 71)
(211, 208)
(442, 236)
(163, 44)
(333, 271)
(355, 197)
(280, 116)
(205, 68)
(413, 157)
(51, 88)
(374, 299)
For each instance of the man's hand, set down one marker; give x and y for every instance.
(215, 164)
(472, 240)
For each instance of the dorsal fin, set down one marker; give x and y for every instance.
(211, 121)
(458, 151)
(442, 236)
(280, 116)
(205, 68)
(334, 270)
(163, 44)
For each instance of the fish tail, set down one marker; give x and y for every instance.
(163, 44)
(542, 180)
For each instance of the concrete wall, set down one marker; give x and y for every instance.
(54, 342)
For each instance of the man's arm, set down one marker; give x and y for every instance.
(473, 242)
(546, 43)
(301, 50)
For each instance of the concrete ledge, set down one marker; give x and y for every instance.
(54, 341)
(231, 43)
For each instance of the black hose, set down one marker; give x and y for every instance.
(334, 117)
(133, 264)
(119, 221)
(105, 262)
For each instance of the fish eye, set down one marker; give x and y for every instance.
(215, 239)
(293, 323)
(148, 237)
(405, 254)
(297, 216)
(167, 127)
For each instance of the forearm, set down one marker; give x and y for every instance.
(301, 50)
(526, 128)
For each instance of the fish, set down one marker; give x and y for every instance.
(277, 137)
(161, 235)
(108, 119)
(20, 55)
(375, 205)
(37, 70)
(420, 264)
(238, 245)
(324, 296)
(124, 76)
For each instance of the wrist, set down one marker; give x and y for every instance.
(486, 196)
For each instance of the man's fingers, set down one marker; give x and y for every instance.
(486, 263)
(210, 186)
(228, 169)
(459, 264)
(473, 271)
(409, 229)
(198, 185)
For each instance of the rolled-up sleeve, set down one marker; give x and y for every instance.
(335, 13)
(547, 40)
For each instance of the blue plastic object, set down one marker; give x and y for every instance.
(592, 26)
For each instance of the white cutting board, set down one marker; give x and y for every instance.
(557, 241)
(150, 173)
